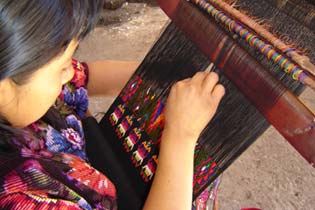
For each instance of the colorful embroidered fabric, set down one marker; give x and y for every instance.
(136, 121)
(49, 170)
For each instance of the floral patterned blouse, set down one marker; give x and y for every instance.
(48, 168)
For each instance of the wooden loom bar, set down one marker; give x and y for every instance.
(275, 51)
(302, 60)
(281, 108)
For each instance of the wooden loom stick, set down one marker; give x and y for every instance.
(302, 60)
(281, 108)
(268, 50)
(302, 13)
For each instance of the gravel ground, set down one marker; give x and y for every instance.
(269, 175)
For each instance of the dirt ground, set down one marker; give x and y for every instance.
(269, 175)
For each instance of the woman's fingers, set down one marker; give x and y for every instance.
(211, 87)
(198, 78)
(186, 80)
(210, 81)
(218, 93)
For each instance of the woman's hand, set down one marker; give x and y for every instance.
(192, 103)
(190, 106)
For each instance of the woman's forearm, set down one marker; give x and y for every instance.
(173, 182)
(109, 77)
(172, 185)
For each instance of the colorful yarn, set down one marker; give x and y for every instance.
(254, 41)
(204, 170)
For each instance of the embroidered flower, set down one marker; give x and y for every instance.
(75, 123)
(67, 96)
(82, 102)
(59, 143)
(77, 100)
(55, 142)
(79, 78)
(73, 137)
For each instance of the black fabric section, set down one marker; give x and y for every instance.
(104, 158)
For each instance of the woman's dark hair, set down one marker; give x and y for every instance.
(33, 32)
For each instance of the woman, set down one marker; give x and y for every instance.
(44, 96)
